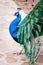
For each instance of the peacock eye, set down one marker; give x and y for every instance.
(16, 13)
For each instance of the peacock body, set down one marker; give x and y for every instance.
(30, 28)
(12, 28)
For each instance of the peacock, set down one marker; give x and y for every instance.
(30, 28)
(13, 26)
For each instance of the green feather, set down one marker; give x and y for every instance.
(25, 28)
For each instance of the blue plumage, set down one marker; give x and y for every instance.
(13, 26)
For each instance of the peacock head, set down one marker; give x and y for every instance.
(17, 13)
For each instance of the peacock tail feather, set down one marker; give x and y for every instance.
(30, 28)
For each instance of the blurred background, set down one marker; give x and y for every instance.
(7, 45)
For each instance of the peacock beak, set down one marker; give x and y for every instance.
(14, 14)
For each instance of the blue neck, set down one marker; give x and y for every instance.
(14, 24)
